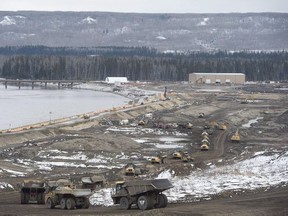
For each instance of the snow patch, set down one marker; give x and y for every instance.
(204, 22)
(253, 121)
(8, 21)
(15, 173)
(102, 197)
(89, 20)
(161, 37)
(259, 171)
(4, 185)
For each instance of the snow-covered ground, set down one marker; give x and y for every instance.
(253, 121)
(263, 170)
(4, 185)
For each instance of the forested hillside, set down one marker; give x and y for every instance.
(164, 32)
(257, 66)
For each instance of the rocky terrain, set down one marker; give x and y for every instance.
(230, 178)
(164, 32)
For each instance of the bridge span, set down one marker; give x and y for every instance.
(19, 83)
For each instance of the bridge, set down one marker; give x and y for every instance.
(19, 83)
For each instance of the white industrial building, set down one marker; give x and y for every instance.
(217, 78)
(116, 80)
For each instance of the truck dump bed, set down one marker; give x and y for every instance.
(75, 192)
(142, 186)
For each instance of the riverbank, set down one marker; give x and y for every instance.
(134, 96)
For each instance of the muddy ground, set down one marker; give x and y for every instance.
(105, 143)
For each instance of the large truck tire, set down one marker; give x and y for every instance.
(63, 203)
(161, 201)
(24, 199)
(144, 202)
(50, 204)
(86, 204)
(165, 201)
(40, 198)
(70, 203)
(124, 203)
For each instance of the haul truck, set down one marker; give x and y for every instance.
(145, 194)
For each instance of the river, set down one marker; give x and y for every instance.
(27, 106)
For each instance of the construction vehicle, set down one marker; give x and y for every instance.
(189, 125)
(222, 127)
(185, 125)
(159, 159)
(132, 170)
(204, 147)
(205, 141)
(94, 182)
(177, 155)
(141, 122)
(32, 191)
(145, 194)
(186, 157)
(201, 115)
(205, 138)
(204, 133)
(235, 137)
(63, 193)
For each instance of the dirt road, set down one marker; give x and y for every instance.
(269, 203)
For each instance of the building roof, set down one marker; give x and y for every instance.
(221, 74)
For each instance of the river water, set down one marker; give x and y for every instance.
(27, 106)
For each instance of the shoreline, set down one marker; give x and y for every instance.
(136, 101)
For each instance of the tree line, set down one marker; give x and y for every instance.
(258, 66)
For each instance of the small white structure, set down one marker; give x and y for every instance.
(114, 80)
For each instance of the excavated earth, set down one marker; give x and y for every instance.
(105, 143)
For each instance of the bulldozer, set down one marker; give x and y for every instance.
(235, 137)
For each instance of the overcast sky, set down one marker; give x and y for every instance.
(148, 6)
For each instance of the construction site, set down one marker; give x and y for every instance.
(201, 149)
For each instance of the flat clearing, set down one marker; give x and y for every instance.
(231, 178)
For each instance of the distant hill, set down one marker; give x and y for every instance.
(165, 32)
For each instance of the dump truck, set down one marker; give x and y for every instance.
(93, 182)
(145, 194)
(177, 155)
(132, 170)
(65, 195)
(204, 133)
(201, 115)
(186, 157)
(204, 147)
(159, 159)
(235, 137)
(32, 191)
